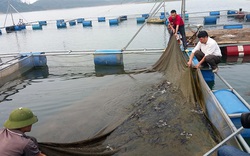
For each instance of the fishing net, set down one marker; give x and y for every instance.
(173, 65)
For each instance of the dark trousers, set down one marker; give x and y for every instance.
(183, 34)
(211, 60)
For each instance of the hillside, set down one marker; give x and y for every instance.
(59, 4)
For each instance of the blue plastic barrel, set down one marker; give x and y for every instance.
(123, 18)
(166, 22)
(145, 16)
(210, 20)
(0, 32)
(37, 27)
(61, 25)
(87, 23)
(72, 22)
(231, 13)
(60, 21)
(109, 57)
(39, 60)
(186, 16)
(101, 19)
(215, 13)
(162, 17)
(113, 21)
(140, 19)
(233, 26)
(248, 17)
(17, 28)
(22, 26)
(42, 22)
(80, 20)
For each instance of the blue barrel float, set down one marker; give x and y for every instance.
(42, 22)
(61, 24)
(214, 13)
(101, 19)
(186, 16)
(145, 16)
(37, 27)
(247, 17)
(72, 22)
(87, 23)
(108, 57)
(123, 18)
(233, 26)
(113, 21)
(231, 13)
(210, 20)
(166, 22)
(80, 20)
(22, 26)
(140, 20)
(39, 59)
(17, 28)
(162, 16)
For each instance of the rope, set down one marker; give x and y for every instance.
(6, 14)
(18, 13)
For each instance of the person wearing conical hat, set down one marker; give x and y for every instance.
(13, 141)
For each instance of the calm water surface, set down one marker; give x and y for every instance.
(72, 97)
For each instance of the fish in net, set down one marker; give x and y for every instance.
(173, 65)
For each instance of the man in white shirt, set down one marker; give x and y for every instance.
(207, 52)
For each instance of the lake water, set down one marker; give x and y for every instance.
(74, 99)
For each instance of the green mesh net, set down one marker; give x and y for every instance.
(152, 127)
